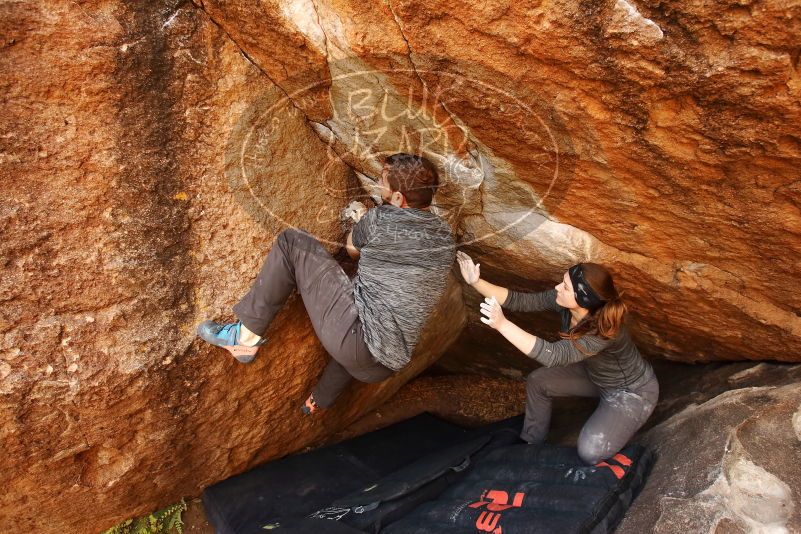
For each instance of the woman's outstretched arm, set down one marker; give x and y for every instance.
(562, 352)
(493, 316)
(491, 290)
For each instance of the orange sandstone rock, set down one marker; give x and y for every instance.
(150, 152)
(144, 180)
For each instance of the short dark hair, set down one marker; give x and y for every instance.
(414, 176)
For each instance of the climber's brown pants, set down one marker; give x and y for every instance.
(298, 260)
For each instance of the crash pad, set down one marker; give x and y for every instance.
(427, 475)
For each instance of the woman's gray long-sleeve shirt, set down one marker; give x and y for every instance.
(611, 363)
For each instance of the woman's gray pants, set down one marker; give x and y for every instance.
(619, 415)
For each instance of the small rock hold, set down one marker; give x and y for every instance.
(72, 368)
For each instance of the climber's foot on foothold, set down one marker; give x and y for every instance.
(227, 336)
(309, 407)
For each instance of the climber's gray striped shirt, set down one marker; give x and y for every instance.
(405, 257)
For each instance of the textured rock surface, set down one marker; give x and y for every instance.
(468, 400)
(150, 152)
(660, 139)
(128, 216)
(726, 465)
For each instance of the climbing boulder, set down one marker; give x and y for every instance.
(727, 465)
(151, 152)
(661, 140)
(145, 175)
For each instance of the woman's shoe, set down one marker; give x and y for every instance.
(227, 337)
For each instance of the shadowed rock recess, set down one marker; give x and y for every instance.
(150, 153)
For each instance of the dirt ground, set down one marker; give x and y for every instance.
(194, 518)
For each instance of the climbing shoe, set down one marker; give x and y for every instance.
(309, 407)
(227, 337)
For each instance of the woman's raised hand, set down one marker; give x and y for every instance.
(471, 272)
(492, 312)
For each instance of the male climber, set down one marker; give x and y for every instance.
(370, 325)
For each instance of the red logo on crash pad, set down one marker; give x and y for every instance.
(496, 502)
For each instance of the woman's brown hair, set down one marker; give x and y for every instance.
(606, 320)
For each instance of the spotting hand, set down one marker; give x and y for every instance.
(493, 315)
(471, 272)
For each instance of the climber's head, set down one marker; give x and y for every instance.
(408, 181)
(590, 286)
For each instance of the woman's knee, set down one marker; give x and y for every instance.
(536, 380)
(537, 376)
(593, 448)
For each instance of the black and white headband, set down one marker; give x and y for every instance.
(585, 296)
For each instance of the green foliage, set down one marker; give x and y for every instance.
(164, 521)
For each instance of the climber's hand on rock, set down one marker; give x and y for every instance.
(354, 211)
(471, 272)
(492, 312)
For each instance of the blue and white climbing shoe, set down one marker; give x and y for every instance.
(227, 337)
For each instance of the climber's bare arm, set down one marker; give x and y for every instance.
(353, 252)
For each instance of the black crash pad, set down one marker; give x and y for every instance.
(296, 486)
(533, 489)
(425, 475)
